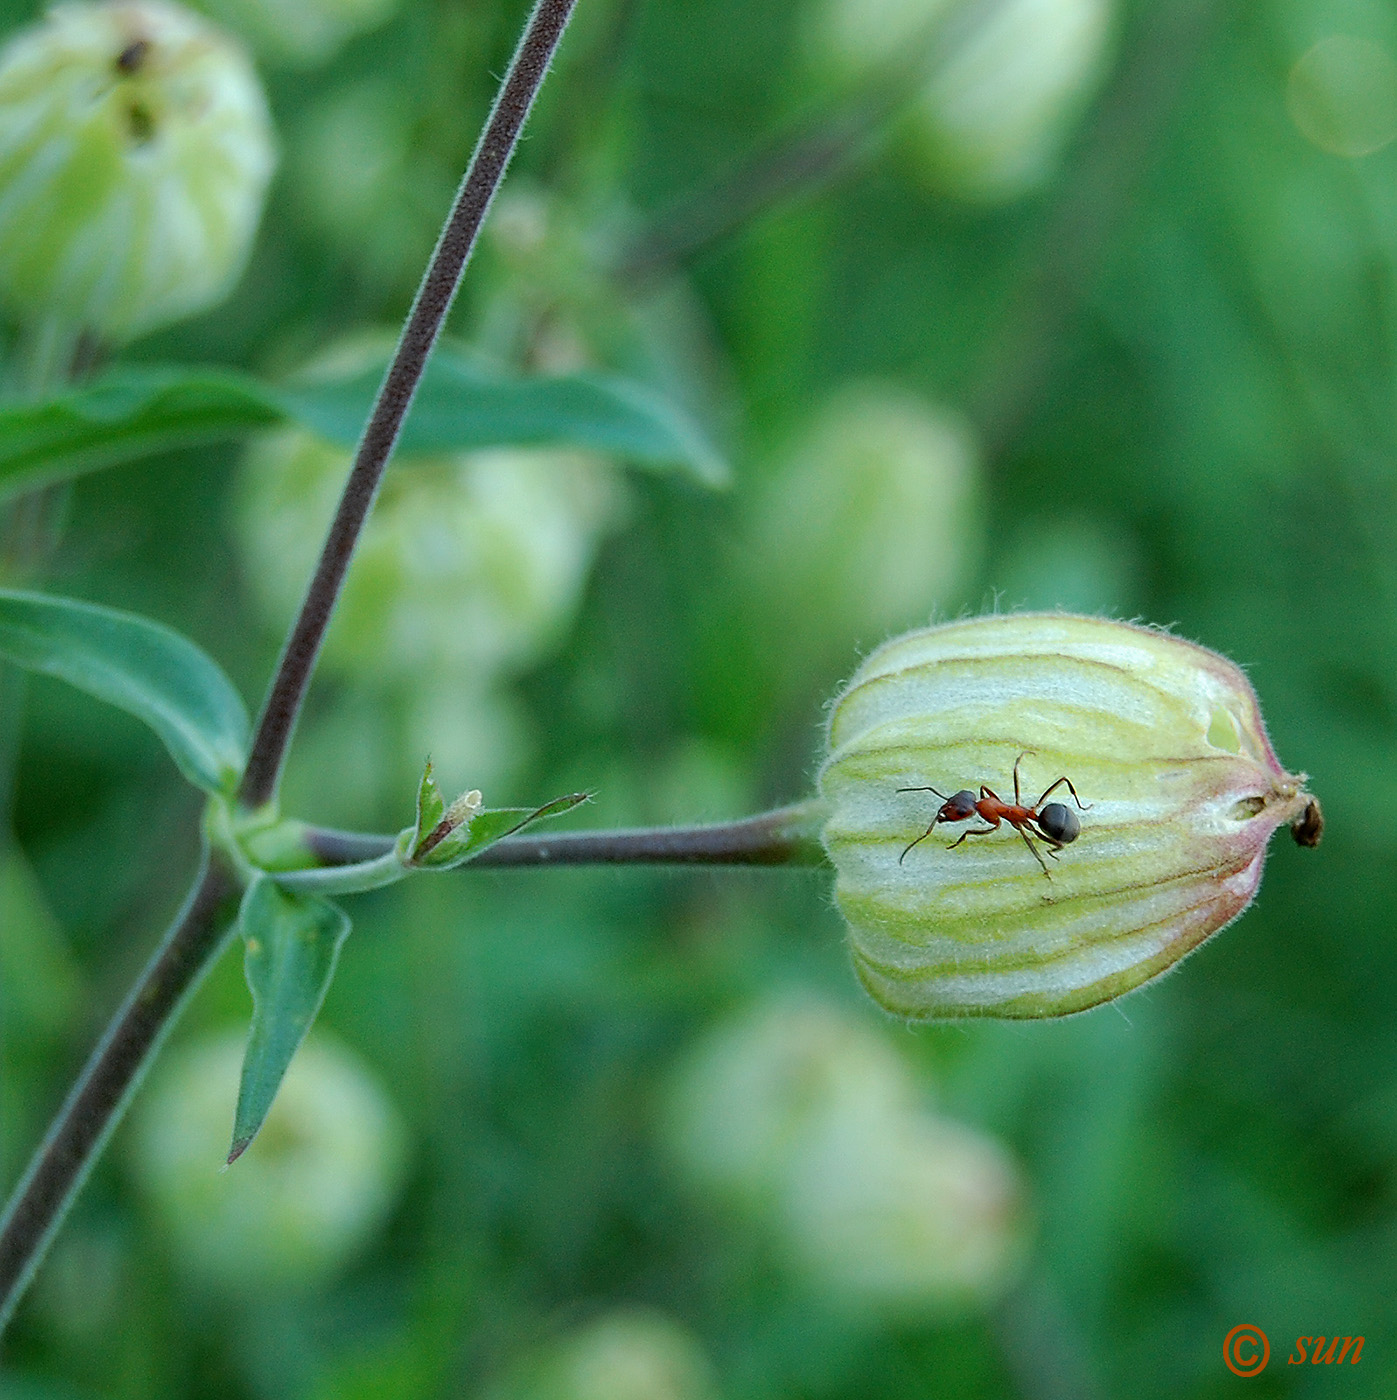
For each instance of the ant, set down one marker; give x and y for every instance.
(1056, 824)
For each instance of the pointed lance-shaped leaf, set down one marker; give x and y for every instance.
(431, 807)
(291, 943)
(489, 826)
(134, 410)
(139, 666)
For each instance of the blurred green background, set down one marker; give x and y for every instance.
(1102, 316)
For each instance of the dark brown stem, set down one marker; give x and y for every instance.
(786, 836)
(98, 1099)
(487, 166)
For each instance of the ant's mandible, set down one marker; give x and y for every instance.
(1056, 825)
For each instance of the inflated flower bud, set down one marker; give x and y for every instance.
(869, 523)
(301, 31)
(631, 1354)
(470, 564)
(921, 1215)
(311, 1190)
(997, 108)
(803, 1115)
(1003, 78)
(1179, 792)
(135, 151)
(762, 1087)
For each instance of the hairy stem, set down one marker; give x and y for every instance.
(487, 166)
(786, 836)
(95, 1104)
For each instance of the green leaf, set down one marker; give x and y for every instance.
(138, 666)
(292, 942)
(460, 405)
(135, 410)
(128, 413)
(491, 825)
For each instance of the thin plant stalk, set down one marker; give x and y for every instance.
(193, 943)
(785, 836)
(430, 308)
(97, 1101)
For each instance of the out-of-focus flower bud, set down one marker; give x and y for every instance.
(804, 1116)
(470, 565)
(301, 31)
(135, 151)
(998, 106)
(919, 1216)
(634, 1354)
(1004, 78)
(310, 1191)
(869, 524)
(363, 185)
(1179, 789)
(761, 1088)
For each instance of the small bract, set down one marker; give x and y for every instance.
(1180, 793)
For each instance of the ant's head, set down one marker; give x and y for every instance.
(958, 807)
(1059, 823)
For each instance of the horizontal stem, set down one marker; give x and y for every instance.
(786, 836)
(99, 1098)
(352, 877)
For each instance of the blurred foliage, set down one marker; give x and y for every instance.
(1177, 358)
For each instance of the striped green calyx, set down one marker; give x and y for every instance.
(1163, 741)
(135, 151)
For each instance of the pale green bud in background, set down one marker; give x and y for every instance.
(300, 31)
(804, 1116)
(630, 1354)
(917, 1216)
(311, 1191)
(763, 1086)
(1163, 739)
(858, 37)
(995, 114)
(1004, 79)
(472, 564)
(361, 184)
(135, 152)
(869, 523)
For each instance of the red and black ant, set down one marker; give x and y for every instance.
(1056, 825)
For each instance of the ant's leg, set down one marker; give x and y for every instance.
(973, 831)
(1034, 849)
(1085, 806)
(918, 841)
(990, 792)
(1018, 801)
